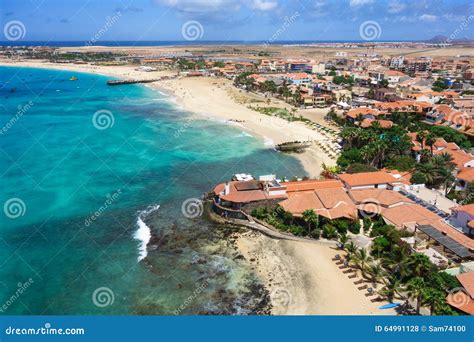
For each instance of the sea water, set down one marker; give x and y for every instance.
(94, 181)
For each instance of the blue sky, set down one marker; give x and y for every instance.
(236, 20)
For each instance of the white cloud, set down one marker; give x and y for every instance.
(200, 6)
(427, 17)
(357, 3)
(264, 5)
(396, 6)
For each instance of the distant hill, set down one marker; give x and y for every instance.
(444, 39)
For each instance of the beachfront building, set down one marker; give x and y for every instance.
(368, 180)
(463, 217)
(352, 196)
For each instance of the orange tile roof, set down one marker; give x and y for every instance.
(466, 173)
(381, 196)
(239, 196)
(459, 156)
(355, 112)
(330, 203)
(311, 185)
(461, 301)
(467, 208)
(394, 73)
(367, 178)
(298, 76)
(467, 281)
(409, 214)
(402, 176)
(383, 123)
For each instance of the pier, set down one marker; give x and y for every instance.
(123, 82)
(145, 80)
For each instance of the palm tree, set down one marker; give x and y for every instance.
(361, 259)
(418, 265)
(351, 249)
(434, 299)
(429, 172)
(376, 273)
(430, 141)
(343, 240)
(420, 137)
(415, 289)
(392, 288)
(311, 219)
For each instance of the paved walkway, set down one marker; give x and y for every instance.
(433, 197)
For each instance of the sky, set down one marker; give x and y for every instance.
(231, 20)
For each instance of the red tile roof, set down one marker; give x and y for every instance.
(311, 185)
(461, 301)
(467, 281)
(367, 178)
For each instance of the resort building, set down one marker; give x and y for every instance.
(463, 216)
(353, 196)
(367, 180)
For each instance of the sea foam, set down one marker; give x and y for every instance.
(143, 233)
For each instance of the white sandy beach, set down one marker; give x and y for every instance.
(303, 279)
(213, 98)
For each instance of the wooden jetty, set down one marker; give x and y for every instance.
(294, 146)
(123, 82)
(133, 81)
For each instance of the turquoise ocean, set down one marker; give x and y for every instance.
(89, 174)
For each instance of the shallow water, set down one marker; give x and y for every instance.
(81, 193)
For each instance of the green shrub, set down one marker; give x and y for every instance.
(329, 231)
(354, 228)
(315, 233)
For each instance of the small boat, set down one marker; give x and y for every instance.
(73, 78)
(389, 306)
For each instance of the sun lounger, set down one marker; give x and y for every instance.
(353, 275)
(363, 287)
(343, 267)
(369, 294)
(348, 271)
(377, 299)
(358, 282)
